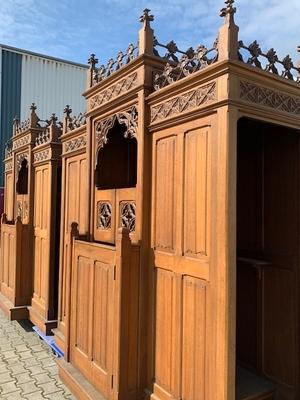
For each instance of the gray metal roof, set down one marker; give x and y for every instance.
(22, 51)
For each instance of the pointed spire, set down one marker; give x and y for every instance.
(228, 33)
(146, 34)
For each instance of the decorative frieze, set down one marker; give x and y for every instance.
(185, 102)
(113, 91)
(75, 144)
(21, 142)
(41, 156)
(256, 94)
(104, 212)
(127, 215)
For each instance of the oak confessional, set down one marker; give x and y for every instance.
(29, 239)
(179, 255)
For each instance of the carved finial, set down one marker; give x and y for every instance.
(228, 11)
(16, 120)
(68, 111)
(33, 107)
(146, 18)
(92, 61)
(53, 120)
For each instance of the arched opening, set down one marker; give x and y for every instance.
(22, 182)
(117, 161)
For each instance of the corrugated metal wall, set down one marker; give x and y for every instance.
(11, 66)
(51, 85)
(28, 78)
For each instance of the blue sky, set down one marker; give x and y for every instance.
(72, 29)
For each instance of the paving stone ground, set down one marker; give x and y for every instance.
(27, 365)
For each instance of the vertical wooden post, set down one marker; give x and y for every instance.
(123, 250)
(228, 34)
(146, 35)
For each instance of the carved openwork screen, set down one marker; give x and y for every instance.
(117, 160)
(22, 182)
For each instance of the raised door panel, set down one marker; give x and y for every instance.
(102, 326)
(194, 339)
(197, 193)
(164, 331)
(165, 151)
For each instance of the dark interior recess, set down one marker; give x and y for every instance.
(117, 161)
(22, 182)
(268, 254)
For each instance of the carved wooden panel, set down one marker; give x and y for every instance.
(165, 193)
(197, 192)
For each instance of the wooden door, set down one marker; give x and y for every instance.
(42, 210)
(181, 238)
(110, 213)
(92, 316)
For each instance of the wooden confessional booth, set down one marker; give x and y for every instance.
(179, 255)
(29, 234)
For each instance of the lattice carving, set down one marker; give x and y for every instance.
(104, 212)
(269, 61)
(103, 72)
(191, 61)
(75, 144)
(190, 100)
(21, 142)
(41, 156)
(42, 137)
(115, 90)
(267, 97)
(127, 215)
(129, 118)
(22, 126)
(73, 122)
